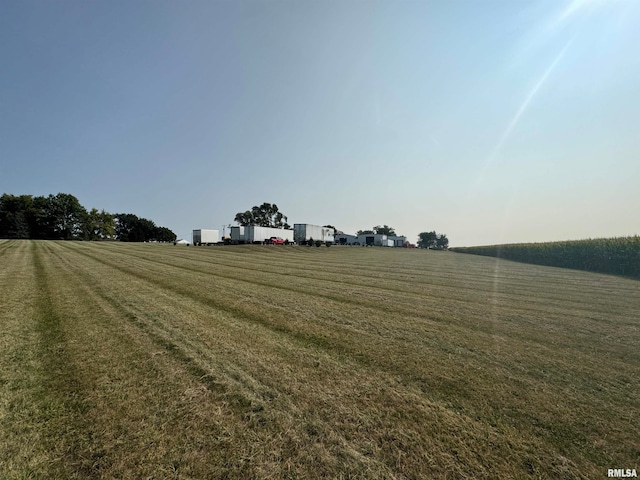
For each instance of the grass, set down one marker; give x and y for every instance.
(152, 361)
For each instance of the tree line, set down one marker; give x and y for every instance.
(62, 217)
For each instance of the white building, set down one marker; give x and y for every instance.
(373, 240)
(381, 240)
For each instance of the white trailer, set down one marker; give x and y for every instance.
(255, 234)
(237, 235)
(205, 237)
(303, 232)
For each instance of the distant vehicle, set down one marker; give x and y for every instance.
(275, 241)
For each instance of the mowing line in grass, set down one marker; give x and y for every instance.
(64, 402)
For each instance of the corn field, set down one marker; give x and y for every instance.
(618, 256)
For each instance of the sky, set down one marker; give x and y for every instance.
(491, 121)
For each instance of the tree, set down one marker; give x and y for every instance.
(163, 234)
(15, 213)
(107, 225)
(265, 215)
(442, 242)
(378, 230)
(385, 230)
(65, 216)
(427, 239)
(125, 224)
(433, 240)
(41, 222)
(335, 230)
(130, 228)
(99, 225)
(244, 218)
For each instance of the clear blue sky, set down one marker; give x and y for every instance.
(489, 120)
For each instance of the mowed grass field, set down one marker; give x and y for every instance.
(153, 361)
